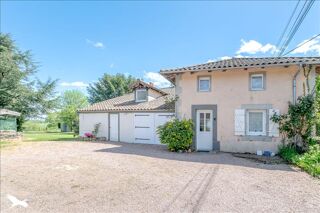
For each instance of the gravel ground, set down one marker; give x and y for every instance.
(119, 177)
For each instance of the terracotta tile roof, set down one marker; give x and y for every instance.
(127, 103)
(244, 63)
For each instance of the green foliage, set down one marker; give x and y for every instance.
(308, 161)
(72, 100)
(176, 134)
(288, 153)
(52, 121)
(35, 125)
(19, 89)
(298, 123)
(317, 90)
(110, 86)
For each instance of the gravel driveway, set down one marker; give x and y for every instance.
(120, 177)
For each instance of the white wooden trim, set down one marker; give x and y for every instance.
(273, 127)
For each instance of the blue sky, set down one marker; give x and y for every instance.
(77, 42)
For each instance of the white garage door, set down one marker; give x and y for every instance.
(145, 126)
(160, 119)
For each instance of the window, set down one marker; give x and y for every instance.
(205, 122)
(204, 84)
(141, 95)
(256, 122)
(256, 81)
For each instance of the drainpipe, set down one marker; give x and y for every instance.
(295, 85)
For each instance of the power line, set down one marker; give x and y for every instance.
(296, 25)
(314, 37)
(285, 29)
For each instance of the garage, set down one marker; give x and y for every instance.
(133, 117)
(146, 124)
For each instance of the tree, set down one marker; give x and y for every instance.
(110, 86)
(71, 101)
(19, 89)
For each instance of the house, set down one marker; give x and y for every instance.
(132, 117)
(231, 101)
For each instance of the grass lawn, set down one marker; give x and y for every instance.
(47, 136)
(38, 137)
(4, 144)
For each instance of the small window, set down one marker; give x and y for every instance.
(256, 122)
(204, 84)
(257, 82)
(141, 95)
(205, 122)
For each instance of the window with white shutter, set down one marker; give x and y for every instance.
(256, 122)
(239, 122)
(273, 127)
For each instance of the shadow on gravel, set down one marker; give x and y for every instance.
(160, 151)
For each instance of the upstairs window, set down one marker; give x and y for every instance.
(141, 95)
(256, 81)
(204, 84)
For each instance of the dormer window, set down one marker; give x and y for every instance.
(141, 95)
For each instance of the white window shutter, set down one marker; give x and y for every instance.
(239, 122)
(273, 127)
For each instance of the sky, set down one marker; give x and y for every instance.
(78, 41)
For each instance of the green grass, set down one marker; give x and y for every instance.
(38, 137)
(308, 161)
(4, 144)
(47, 136)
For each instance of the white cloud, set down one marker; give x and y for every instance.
(211, 60)
(111, 66)
(96, 44)
(253, 47)
(74, 84)
(311, 46)
(157, 79)
(225, 57)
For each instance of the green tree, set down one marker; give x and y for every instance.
(19, 89)
(110, 86)
(71, 101)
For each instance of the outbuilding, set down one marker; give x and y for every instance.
(131, 118)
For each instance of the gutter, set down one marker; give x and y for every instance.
(294, 89)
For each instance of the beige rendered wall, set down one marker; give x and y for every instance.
(88, 120)
(127, 127)
(229, 91)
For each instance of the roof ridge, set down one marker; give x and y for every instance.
(241, 62)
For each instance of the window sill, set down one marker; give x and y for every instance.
(257, 89)
(256, 138)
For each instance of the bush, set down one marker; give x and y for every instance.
(308, 161)
(176, 134)
(297, 125)
(288, 153)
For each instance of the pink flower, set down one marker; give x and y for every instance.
(88, 134)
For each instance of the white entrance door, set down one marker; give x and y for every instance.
(204, 130)
(114, 127)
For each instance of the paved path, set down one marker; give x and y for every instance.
(120, 177)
